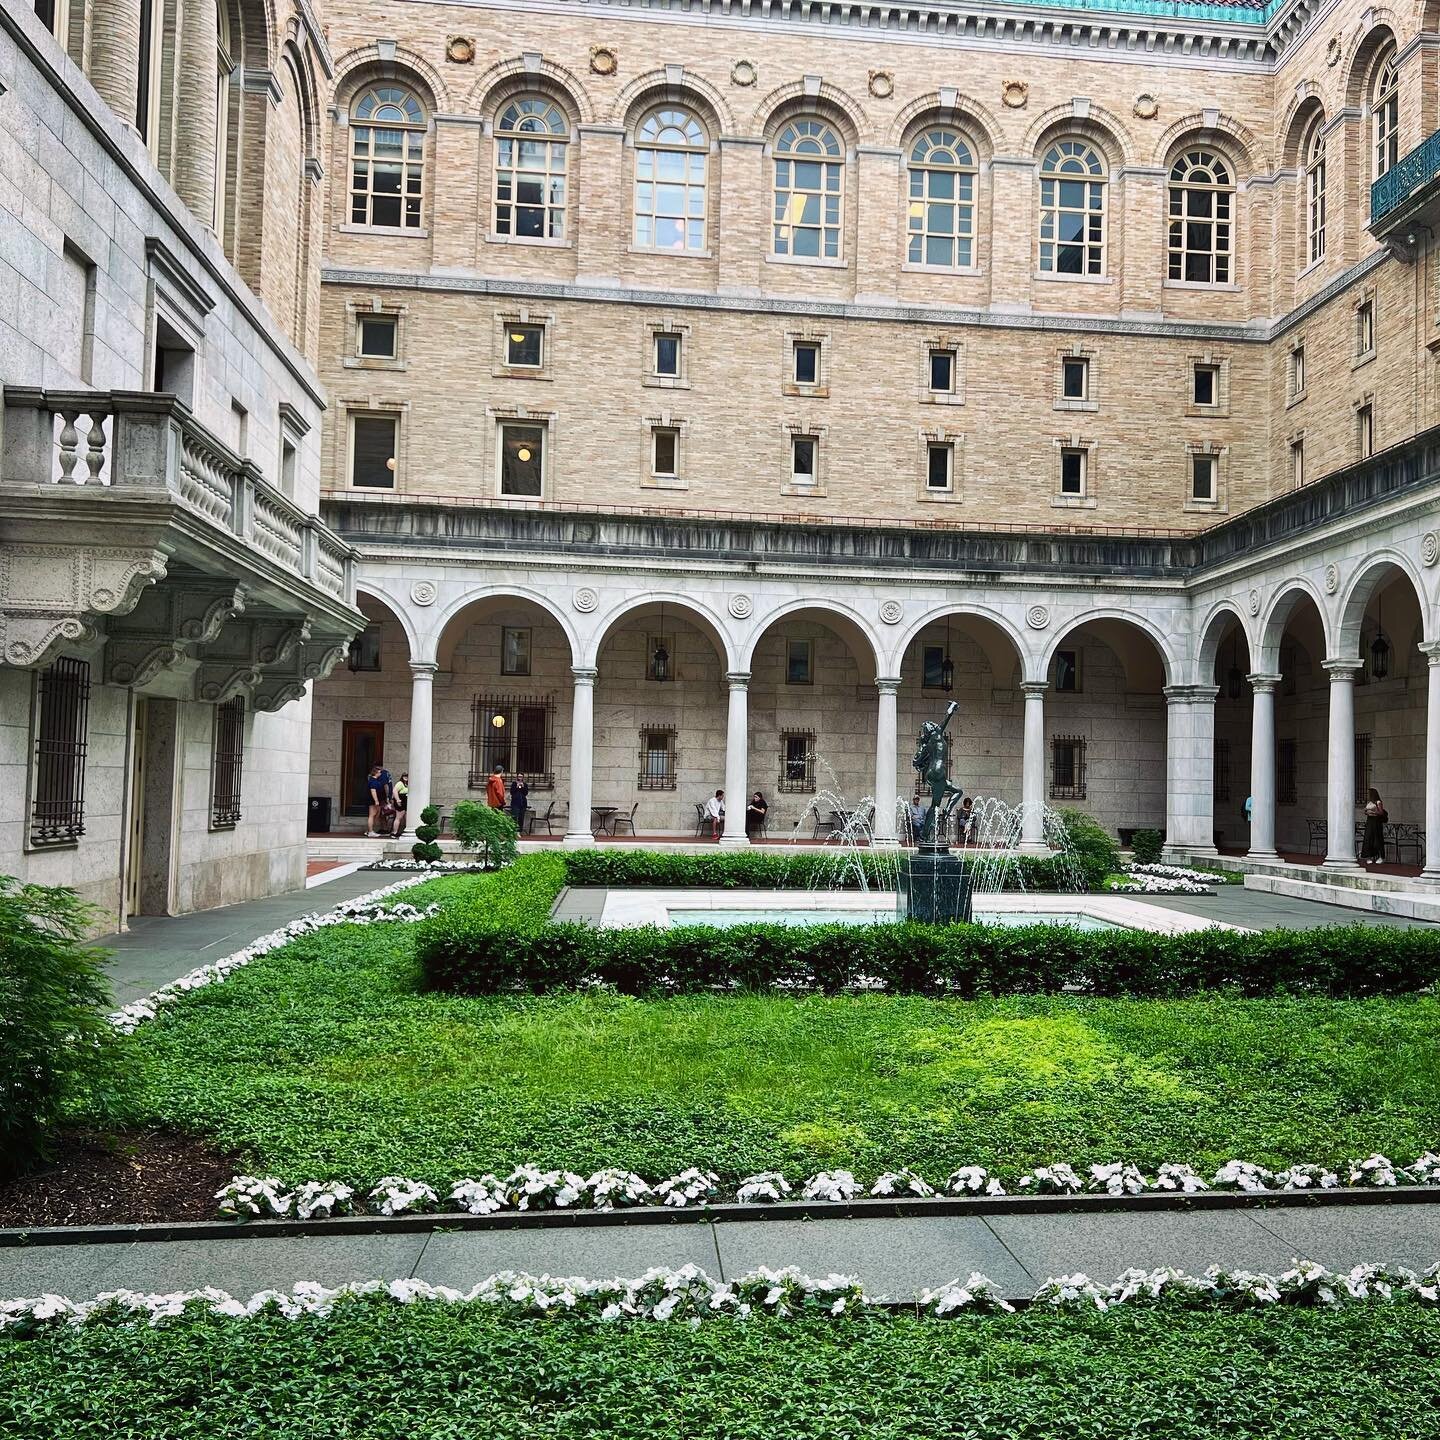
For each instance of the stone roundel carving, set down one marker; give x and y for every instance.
(1332, 51)
(1429, 548)
(1037, 617)
(741, 606)
(1147, 107)
(1015, 93)
(603, 60)
(585, 599)
(1332, 579)
(891, 611)
(742, 72)
(423, 592)
(882, 84)
(1254, 602)
(460, 50)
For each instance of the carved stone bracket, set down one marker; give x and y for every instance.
(282, 684)
(171, 624)
(246, 651)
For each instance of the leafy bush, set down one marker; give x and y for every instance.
(1092, 847)
(427, 832)
(478, 825)
(1146, 846)
(54, 1038)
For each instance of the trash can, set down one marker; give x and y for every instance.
(318, 820)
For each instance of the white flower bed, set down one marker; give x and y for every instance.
(832, 1185)
(901, 1182)
(767, 1188)
(438, 865)
(1164, 880)
(689, 1187)
(363, 910)
(690, 1295)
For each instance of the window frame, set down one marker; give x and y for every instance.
(787, 782)
(946, 449)
(1071, 785)
(1219, 224)
(1056, 170)
(693, 226)
(796, 144)
(668, 777)
(1075, 364)
(1209, 460)
(1365, 428)
(360, 414)
(379, 319)
(1081, 455)
(919, 172)
(810, 481)
(540, 427)
(672, 433)
(1384, 107)
(58, 754)
(413, 132)
(656, 336)
(227, 763)
(1365, 329)
(1316, 184)
(1198, 368)
(791, 641)
(512, 130)
(516, 656)
(527, 329)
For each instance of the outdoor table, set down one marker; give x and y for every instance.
(603, 812)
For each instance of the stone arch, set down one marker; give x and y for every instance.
(253, 24)
(1100, 127)
(830, 102)
(1365, 49)
(697, 612)
(1219, 131)
(508, 78)
(1212, 631)
(996, 622)
(354, 69)
(1377, 569)
(397, 610)
(963, 111)
(849, 624)
(1276, 616)
(1141, 624)
(655, 87)
(445, 629)
(1301, 115)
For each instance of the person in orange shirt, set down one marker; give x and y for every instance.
(495, 789)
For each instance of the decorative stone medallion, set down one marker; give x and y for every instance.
(742, 72)
(460, 50)
(585, 599)
(1147, 107)
(882, 84)
(1015, 93)
(603, 60)
(1429, 548)
(1332, 579)
(1332, 51)
(423, 592)
(741, 606)
(1037, 617)
(1254, 602)
(891, 611)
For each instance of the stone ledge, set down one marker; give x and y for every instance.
(1352, 891)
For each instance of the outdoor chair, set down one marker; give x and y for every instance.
(827, 826)
(616, 821)
(1406, 840)
(1319, 837)
(699, 817)
(548, 819)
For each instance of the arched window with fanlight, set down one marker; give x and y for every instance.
(1315, 199)
(532, 140)
(809, 190)
(940, 218)
(671, 151)
(1385, 114)
(387, 158)
(1072, 209)
(1202, 218)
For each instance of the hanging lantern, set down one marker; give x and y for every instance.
(947, 673)
(1379, 647)
(660, 662)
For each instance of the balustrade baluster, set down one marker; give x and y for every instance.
(95, 455)
(69, 446)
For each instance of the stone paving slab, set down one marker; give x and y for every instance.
(1339, 1238)
(1258, 910)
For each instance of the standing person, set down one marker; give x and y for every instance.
(495, 788)
(917, 818)
(377, 787)
(755, 813)
(715, 813)
(401, 792)
(519, 802)
(965, 821)
(1372, 844)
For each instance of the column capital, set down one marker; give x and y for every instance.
(1190, 694)
(887, 684)
(584, 674)
(737, 679)
(1342, 672)
(1034, 687)
(1263, 684)
(423, 669)
(1430, 648)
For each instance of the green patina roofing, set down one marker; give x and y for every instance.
(1236, 12)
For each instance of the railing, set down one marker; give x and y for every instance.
(1405, 177)
(134, 440)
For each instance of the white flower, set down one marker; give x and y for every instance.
(901, 1182)
(322, 1197)
(1052, 1180)
(766, 1188)
(1179, 1177)
(529, 1188)
(1307, 1177)
(973, 1180)
(1072, 1292)
(1117, 1179)
(977, 1294)
(689, 1187)
(831, 1185)
(246, 1196)
(395, 1194)
(1426, 1170)
(1377, 1171)
(1242, 1175)
(479, 1197)
(610, 1188)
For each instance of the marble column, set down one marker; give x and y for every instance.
(422, 713)
(1262, 766)
(737, 759)
(1431, 649)
(1032, 776)
(115, 55)
(198, 73)
(1340, 807)
(1190, 767)
(882, 829)
(582, 758)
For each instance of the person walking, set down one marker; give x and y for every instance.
(519, 802)
(1372, 843)
(401, 792)
(377, 787)
(495, 788)
(715, 813)
(755, 813)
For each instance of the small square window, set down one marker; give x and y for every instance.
(372, 457)
(1365, 430)
(797, 762)
(365, 651)
(802, 459)
(1067, 671)
(666, 445)
(939, 464)
(377, 336)
(1072, 472)
(942, 372)
(524, 346)
(932, 667)
(657, 760)
(1297, 370)
(1075, 378)
(807, 363)
(522, 456)
(514, 651)
(1365, 327)
(1202, 477)
(1204, 391)
(798, 654)
(667, 355)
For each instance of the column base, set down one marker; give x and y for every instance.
(1429, 876)
(1348, 867)
(1254, 854)
(884, 842)
(735, 840)
(578, 840)
(1033, 847)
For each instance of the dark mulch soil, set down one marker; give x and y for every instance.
(141, 1175)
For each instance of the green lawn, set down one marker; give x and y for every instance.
(374, 1370)
(325, 1060)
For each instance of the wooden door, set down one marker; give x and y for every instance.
(362, 744)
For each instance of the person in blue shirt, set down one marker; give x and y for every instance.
(378, 786)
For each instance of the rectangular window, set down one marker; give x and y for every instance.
(1365, 430)
(377, 336)
(657, 758)
(289, 464)
(667, 356)
(1204, 381)
(514, 650)
(516, 732)
(802, 459)
(365, 651)
(798, 655)
(666, 448)
(1075, 378)
(226, 763)
(372, 451)
(797, 762)
(1202, 477)
(1364, 328)
(1297, 463)
(932, 668)
(807, 363)
(942, 372)
(1067, 767)
(1297, 371)
(57, 816)
(1067, 671)
(524, 346)
(1072, 472)
(939, 466)
(522, 456)
(1285, 752)
(1222, 769)
(1364, 744)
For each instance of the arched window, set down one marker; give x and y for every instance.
(531, 140)
(1072, 209)
(1315, 190)
(809, 181)
(224, 65)
(1202, 202)
(1385, 114)
(387, 158)
(670, 155)
(941, 215)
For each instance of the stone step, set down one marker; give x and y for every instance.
(1412, 904)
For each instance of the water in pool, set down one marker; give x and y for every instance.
(728, 917)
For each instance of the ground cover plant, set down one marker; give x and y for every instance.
(377, 1370)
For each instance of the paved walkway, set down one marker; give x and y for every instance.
(1259, 910)
(896, 1258)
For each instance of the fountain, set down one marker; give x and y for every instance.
(935, 885)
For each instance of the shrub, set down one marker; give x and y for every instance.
(478, 825)
(1146, 846)
(427, 832)
(54, 1038)
(1091, 847)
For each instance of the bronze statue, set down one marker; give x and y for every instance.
(932, 761)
